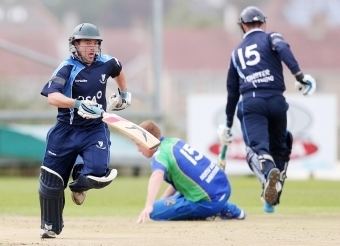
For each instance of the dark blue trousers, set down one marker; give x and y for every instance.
(264, 126)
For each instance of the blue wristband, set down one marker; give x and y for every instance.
(77, 103)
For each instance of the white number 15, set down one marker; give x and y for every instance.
(190, 154)
(251, 55)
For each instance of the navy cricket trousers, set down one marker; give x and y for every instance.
(264, 124)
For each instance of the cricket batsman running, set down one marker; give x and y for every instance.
(255, 85)
(78, 89)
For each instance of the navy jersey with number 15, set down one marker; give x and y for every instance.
(256, 67)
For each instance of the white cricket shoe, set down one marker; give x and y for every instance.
(47, 234)
(242, 215)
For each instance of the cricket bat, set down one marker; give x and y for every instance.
(131, 130)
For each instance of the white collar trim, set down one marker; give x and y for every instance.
(251, 31)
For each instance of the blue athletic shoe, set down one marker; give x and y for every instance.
(232, 212)
(228, 216)
(268, 208)
(241, 216)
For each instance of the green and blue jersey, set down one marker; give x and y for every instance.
(190, 172)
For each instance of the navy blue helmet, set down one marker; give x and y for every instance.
(252, 14)
(84, 31)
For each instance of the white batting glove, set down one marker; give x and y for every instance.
(306, 85)
(120, 101)
(89, 109)
(224, 134)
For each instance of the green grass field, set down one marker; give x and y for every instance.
(125, 197)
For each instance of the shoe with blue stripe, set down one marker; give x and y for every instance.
(268, 208)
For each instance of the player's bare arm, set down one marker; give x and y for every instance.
(121, 81)
(60, 101)
(154, 185)
(169, 191)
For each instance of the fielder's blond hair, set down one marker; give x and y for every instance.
(151, 127)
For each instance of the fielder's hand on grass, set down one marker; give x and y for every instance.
(145, 215)
(89, 109)
(120, 101)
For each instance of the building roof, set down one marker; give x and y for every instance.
(197, 49)
(30, 26)
(184, 49)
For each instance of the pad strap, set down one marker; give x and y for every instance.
(52, 200)
(255, 165)
(84, 183)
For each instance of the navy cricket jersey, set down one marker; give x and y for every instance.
(256, 68)
(76, 80)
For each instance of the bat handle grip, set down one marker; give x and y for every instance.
(223, 152)
(222, 157)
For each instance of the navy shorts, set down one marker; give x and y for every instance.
(66, 142)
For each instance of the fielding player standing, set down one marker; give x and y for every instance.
(197, 189)
(78, 89)
(255, 75)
